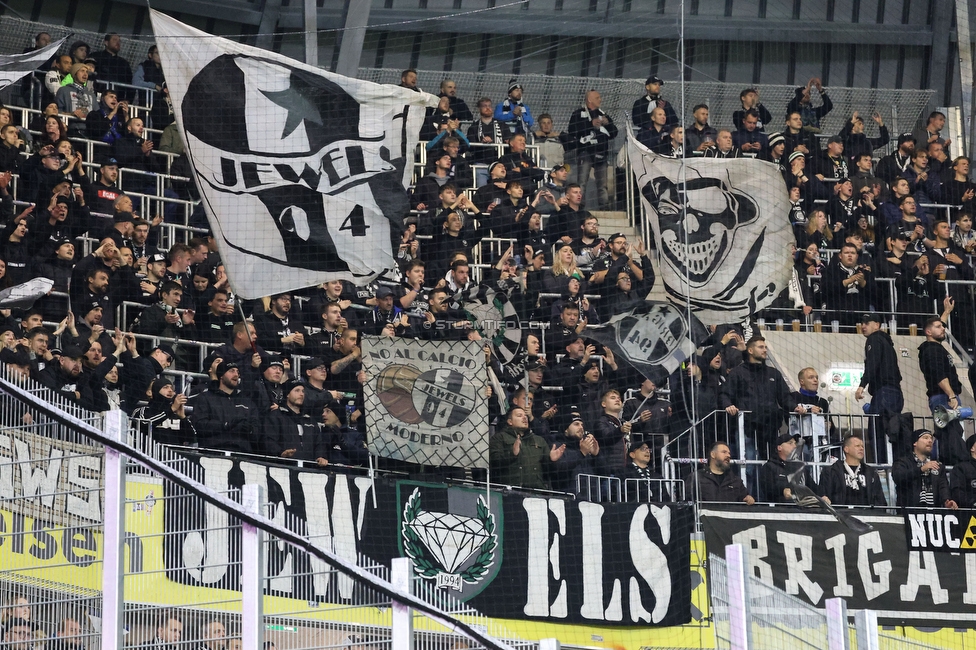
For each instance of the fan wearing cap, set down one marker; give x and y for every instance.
(76, 98)
(138, 372)
(486, 130)
(278, 328)
(651, 99)
(266, 391)
(831, 163)
(716, 482)
(65, 378)
(890, 167)
(494, 191)
(554, 188)
(774, 154)
(642, 482)
(520, 458)
(513, 112)
(882, 376)
(962, 479)
(620, 260)
(942, 386)
(386, 318)
(777, 474)
(164, 418)
(921, 481)
(155, 275)
(506, 219)
(293, 433)
(578, 459)
(317, 397)
(222, 417)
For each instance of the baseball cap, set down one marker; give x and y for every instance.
(615, 236)
(165, 349)
(654, 79)
(533, 363)
(871, 317)
(556, 168)
(157, 257)
(635, 445)
(905, 137)
(786, 437)
(109, 162)
(383, 291)
(314, 362)
(835, 139)
(72, 352)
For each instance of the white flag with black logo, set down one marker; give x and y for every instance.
(425, 401)
(722, 228)
(301, 171)
(14, 67)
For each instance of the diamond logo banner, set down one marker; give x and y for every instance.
(425, 401)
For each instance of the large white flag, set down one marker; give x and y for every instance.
(14, 67)
(722, 228)
(425, 401)
(301, 171)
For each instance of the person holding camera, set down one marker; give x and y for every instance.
(580, 456)
(107, 124)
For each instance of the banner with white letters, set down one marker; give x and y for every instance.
(909, 572)
(511, 556)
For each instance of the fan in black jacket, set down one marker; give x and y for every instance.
(962, 479)
(290, 433)
(919, 480)
(850, 481)
(223, 419)
(165, 416)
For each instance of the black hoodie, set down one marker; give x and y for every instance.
(880, 363)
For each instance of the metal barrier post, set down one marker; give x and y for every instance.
(740, 627)
(741, 436)
(401, 577)
(837, 636)
(113, 571)
(252, 573)
(866, 624)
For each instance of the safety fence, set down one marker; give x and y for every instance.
(111, 545)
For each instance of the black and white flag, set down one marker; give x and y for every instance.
(301, 171)
(14, 67)
(722, 230)
(425, 401)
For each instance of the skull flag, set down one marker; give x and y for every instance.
(722, 229)
(301, 171)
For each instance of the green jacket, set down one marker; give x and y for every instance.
(529, 469)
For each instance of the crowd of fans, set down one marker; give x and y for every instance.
(287, 382)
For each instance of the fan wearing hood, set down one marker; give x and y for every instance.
(166, 415)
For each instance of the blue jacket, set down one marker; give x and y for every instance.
(515, 123)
